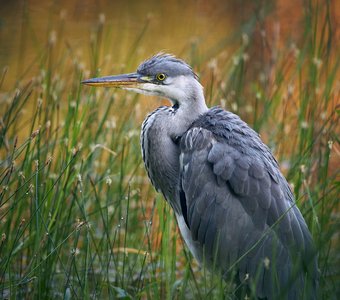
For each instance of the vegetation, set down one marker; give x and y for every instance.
(79, 218)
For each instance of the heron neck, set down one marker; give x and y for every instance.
(192, 105)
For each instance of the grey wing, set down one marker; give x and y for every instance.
(236, 204)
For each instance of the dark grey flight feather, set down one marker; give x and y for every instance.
(234, 194)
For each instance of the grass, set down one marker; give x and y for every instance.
(79, 218)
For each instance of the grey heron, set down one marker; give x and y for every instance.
(233, 206)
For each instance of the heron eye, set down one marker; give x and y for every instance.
(161, 77)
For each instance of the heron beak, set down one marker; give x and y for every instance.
(131, 80)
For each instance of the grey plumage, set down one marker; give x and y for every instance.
(234, 208)
(243, 188)
(159, 63)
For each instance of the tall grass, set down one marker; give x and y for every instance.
(79, 218)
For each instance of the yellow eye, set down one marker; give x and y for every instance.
(161, 77)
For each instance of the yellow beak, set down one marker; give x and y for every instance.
(124, 80)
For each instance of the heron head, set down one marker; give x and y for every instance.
(162, 75)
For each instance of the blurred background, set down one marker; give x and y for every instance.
(129, 28)
(78, 216)
(132, 30)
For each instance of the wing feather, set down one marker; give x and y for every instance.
(233, 198)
